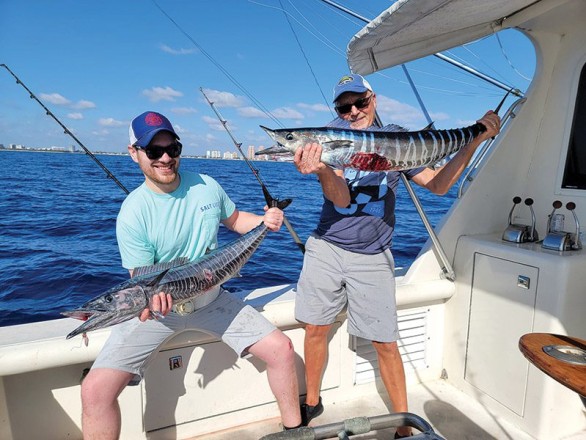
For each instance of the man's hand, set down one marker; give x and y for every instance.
(308, 159)
(273, 218)
(161, 303)
(492, 122)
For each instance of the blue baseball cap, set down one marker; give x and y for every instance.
(351, 83)
(145, 126)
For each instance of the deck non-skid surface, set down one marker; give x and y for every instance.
(452, 414)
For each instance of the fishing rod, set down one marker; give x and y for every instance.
(67, 131)
(255, 171)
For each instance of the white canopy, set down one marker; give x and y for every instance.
(412, 29)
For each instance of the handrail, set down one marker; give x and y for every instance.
(468, 177)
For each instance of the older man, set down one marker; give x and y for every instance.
(348, 259)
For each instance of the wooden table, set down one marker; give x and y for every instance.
(536, 346)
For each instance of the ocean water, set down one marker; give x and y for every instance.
(58, 214)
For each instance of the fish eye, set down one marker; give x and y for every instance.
(108, 298)
(289, 136)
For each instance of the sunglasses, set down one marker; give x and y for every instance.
(154, 152)
(359, 104)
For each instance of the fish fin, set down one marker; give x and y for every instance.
(145, 270)
(428, 126)
(155, 280)
(338, 144)
(393, 128)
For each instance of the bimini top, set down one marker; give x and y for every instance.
(412, 29)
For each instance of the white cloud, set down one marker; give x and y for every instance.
(183, 110)
(214, 123)
(83, 105)
(463, 123)
(110, 122)
(181, 51)
(395, 112)
(286, 113)
(76, 115)
(224, 99)
(179, 129)
(54, 98)
(157, 94)
(314, 107)
(251, 112)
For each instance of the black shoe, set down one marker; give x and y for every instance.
(286, 428)
(309, 412)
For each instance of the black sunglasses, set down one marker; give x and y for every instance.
(359, 104)
(154, 152)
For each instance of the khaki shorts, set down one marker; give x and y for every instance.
(133, 344)
(333, 278)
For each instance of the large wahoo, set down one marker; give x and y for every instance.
(181, 279)
(374, 150)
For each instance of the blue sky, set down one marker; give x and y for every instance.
(96, 65)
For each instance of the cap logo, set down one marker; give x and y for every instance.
(153, 119)
(345, 79)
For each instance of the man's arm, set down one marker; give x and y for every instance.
(242, 221)
(308, 161)
(439, 181)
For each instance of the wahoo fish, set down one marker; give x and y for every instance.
(182, 279)
(374, 150)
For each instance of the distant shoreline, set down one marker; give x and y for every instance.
(106, 153)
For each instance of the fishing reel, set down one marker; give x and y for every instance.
(557, 239)
(517, 233)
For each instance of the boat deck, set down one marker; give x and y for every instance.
(452, 414)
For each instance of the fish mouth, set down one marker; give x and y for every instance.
(274, 150)
(93, 319)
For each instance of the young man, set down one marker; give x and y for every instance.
(348, 259)
(171, 215)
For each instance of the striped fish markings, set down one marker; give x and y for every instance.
(374, 150)
(182, 279)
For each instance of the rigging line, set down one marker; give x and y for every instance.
(440, 55)
(220, 67)
(467, 49)
(321, 38)
(265, 190)
(67, 131)
(306, 59)
(509, 61)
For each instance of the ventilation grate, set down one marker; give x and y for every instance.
(412, 346)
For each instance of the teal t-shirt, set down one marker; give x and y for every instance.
(157, 228)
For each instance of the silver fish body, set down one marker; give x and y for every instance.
(181, 279)
(374, 150)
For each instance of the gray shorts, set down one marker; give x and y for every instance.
(332, 278)
(133, 344)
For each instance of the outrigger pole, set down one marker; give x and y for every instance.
(265, 191)
(66, 130)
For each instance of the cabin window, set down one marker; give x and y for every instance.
(575, 171)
